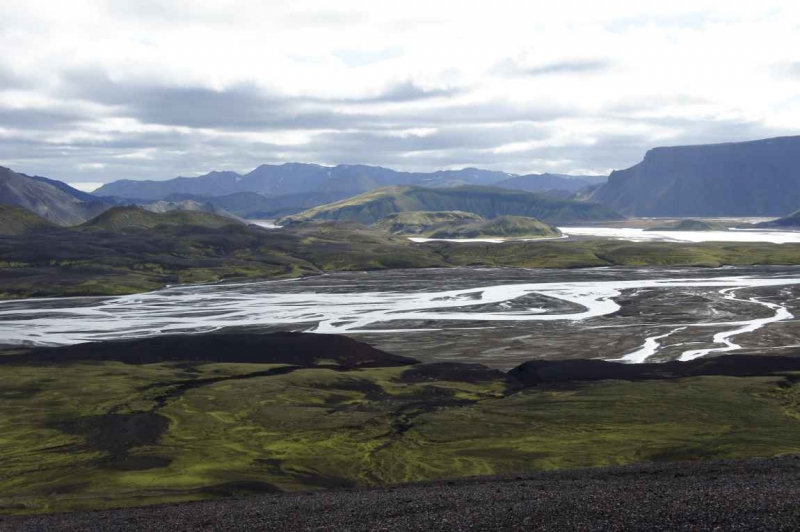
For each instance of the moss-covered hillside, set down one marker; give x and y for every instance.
(422, 223)
(17, 221)
(484, 201)
(500, 227)
(691, 225)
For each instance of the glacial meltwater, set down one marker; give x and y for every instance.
(498, 317)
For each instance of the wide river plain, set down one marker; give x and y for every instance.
(498, 317)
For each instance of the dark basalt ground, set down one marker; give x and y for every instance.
(276, 348)
(730, 495)
(537, 372)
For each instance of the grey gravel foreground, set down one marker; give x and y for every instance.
(734, 495)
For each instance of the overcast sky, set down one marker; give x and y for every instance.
(92, 91)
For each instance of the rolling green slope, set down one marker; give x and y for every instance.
(502, 227)
(484, 201)
(691, 225)
(16, 220)
(423, 222)
(131, 218)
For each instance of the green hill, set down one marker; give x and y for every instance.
(485, 201)
(424, 222)
(16, 220)
(691, 225)
(502, 226)
(127, 218)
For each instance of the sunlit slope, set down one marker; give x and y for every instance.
(484, 201)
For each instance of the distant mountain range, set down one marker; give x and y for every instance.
(489, 202)
(293, 180)
(551, 182)
(758, 178)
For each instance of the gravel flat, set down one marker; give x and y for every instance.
(748, 495)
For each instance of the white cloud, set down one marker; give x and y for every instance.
(142, 88)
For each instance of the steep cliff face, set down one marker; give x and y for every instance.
(760, 178)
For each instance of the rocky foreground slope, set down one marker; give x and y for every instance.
(734, 495)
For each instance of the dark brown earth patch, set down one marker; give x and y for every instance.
(19, 392)
(537, 372)
(136, 463)
(454, 372)
(117, 434)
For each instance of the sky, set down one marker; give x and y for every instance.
(92, 91)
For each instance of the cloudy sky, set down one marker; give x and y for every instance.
(97, 90)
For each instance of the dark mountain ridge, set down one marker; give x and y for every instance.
(54, 201)
(757, 178)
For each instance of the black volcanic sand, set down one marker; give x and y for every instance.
(276, 348)
(759, 494)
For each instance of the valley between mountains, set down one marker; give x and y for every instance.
(174, 349)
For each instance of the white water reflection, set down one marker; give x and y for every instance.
(213, 307)
(640, 235)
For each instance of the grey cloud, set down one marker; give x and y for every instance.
(509, 67)
(193, 152)
(248, 108)
(37, 119)
(586, 66)
(788, 70)
(409, 92)
(10, 80)
(462, 134)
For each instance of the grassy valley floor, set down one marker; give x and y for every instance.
(193, 418)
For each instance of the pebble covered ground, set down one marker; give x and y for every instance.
(760, 494)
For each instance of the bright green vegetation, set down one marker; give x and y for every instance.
(691, 225)
(422, 223)
(16, 220)
(457, 224)
(487, 202)
(592, 253)
(107, 434)
(502, 226)
(132, 218)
